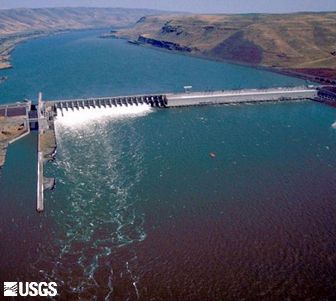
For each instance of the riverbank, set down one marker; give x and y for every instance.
(8, 44)
(318, 76)
(314, 76)
(269, 42)
(300, 44)
(19, 25)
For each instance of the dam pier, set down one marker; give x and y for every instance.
(103, 102)
(43, 115)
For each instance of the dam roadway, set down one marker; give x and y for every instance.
(240, 96)
(167, 100)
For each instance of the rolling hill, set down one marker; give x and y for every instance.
(17, 25)
(300, 42)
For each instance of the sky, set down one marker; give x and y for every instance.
(196, 6)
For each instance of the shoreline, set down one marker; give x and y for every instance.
(280, 70)
(17, 39)
(9, 45)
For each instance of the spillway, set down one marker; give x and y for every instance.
(81, 116)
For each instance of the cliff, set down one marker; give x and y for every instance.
(164, 44)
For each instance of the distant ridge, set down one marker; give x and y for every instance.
(17, 25)
(25, 19)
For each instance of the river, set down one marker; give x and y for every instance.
(140, 210)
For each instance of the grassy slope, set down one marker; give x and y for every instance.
(302, 41)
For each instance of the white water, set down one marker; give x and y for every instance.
(78, 117)
(99, 211)
(334, 125)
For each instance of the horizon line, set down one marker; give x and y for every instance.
(172, 11)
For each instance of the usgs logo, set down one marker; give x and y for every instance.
(32, 289)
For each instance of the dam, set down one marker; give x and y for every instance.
(49, 110)
(188, 98)
(43, 115)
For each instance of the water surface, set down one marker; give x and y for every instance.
(141, 211)
(80, 64)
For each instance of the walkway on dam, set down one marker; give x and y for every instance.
(241, 96)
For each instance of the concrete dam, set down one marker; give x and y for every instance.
(43, 115)
(188, 98)
(49, 110)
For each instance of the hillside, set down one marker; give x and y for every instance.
(302, 42)
(17, 25)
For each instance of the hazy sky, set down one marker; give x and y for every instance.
(199, 6)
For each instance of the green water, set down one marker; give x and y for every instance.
(141, 211)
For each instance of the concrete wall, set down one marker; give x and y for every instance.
(241, 96)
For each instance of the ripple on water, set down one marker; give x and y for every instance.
(97, 180)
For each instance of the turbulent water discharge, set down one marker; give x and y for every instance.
(82, 117)
(100, 215)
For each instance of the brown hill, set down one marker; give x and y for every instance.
(17, 25)
(301, 42)
(23, 20)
